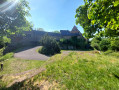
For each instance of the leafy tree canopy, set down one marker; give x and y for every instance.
(99, 16)
(56, 31)
(13, 20)
(105, 12)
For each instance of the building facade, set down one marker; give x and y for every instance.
(33, 37)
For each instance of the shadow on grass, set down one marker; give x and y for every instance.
(21, 86)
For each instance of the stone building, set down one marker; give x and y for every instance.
(33, 37)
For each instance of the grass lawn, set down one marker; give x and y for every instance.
(79, 70)
(76, 70)
(15, 66)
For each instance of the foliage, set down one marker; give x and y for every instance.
(78, 43)
(7, 56)
(1, 52)
(106, 13)
(95, 43)
(14, 20)
(97, 16)
(82, 19)
(104, 44)
(50, 45)
(4, 40)
(115, 44)
(56, 31)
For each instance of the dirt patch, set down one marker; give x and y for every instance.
(46, 85)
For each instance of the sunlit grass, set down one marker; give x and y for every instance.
(76, 70)
(14, 65)
(83, 70)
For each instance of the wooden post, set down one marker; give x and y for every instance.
(1, 66)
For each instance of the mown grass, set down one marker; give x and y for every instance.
(83, 70)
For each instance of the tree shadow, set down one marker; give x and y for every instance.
(22, 86)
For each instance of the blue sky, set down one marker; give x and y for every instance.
(54, 14)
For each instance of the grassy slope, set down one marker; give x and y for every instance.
(78, 70)
(14, 66)
(82, 70)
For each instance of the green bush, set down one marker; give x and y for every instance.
(104, 44)
(95, 43)
(108, 52)
(7, 56)
(77, 43)
(1, 52)
(50, 45)
(115, 44)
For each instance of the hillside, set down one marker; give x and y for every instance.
(76, 70)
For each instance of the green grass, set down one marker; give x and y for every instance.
(75, 71)
(15, 66)
(112, 53)
(83, 70)
(6, 57)
(39, 49)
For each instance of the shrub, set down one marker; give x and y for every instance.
(77, 43)
(4, 41)
(115, 44)
(7, 56)
(95, 42)
(104, 44)
(108, 52)
(50, 45)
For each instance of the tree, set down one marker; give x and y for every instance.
(13, 20)
(104, 44)
(99, 16)
(77, 43)
(82, 19)
(105, 12)
(95, 43)
(56, 31)
(115, 44)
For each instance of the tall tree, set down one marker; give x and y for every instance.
(99, 16)
(105, 12)
(13, 17)
(85, 22)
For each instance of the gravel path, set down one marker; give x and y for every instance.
(30, 54)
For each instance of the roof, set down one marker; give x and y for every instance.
(75, 30)
(68, 33)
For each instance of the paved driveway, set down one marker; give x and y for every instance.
(30, 54)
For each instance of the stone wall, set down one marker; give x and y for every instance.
(33, 38)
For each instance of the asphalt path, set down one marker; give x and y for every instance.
(30, 54)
